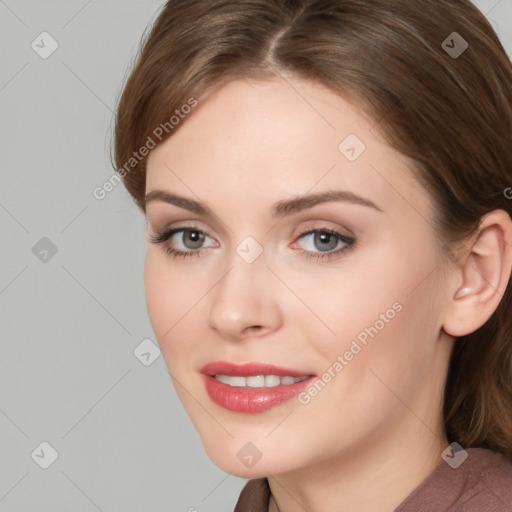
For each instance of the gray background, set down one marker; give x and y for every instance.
(71, 321)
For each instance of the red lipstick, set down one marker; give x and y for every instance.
(248, 399)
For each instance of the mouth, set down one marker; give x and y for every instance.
(252, 387)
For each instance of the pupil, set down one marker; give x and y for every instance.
(195, 238)
(324, 237)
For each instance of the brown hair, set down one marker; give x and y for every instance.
(451, 114)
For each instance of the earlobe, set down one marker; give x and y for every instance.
(485, 272)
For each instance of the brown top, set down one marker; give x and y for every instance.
(482, 483)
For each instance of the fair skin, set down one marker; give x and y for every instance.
(375, 432)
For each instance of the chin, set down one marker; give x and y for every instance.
(245, 459)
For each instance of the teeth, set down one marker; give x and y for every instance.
(272, 381)
(258, 381)
(237, 381)
(223, 378)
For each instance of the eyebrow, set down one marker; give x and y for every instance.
(280, 209)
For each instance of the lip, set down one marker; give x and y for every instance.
(250, 400)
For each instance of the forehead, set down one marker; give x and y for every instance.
(270, 118)
(261, 141)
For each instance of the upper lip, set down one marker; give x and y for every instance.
(248, 369)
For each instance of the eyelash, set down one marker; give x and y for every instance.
(164, 236)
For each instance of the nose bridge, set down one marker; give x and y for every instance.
(244, 297)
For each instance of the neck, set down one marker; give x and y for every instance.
(375, 476)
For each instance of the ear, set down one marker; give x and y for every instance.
(481, 276)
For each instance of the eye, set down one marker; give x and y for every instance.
(326, 239)
(192, 239)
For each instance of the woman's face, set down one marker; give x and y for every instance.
(345, 293)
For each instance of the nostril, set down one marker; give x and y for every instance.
(254, 328)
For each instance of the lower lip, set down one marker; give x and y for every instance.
(251, 400)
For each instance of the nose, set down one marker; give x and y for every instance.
(244, 303)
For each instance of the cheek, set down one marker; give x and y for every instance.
(348, 303)
(380, 311)
(171, 297)
(158, 296)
